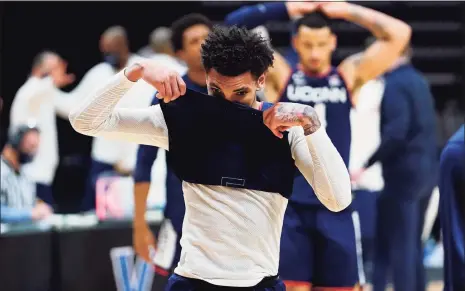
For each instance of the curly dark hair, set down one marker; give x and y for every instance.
(232, 51)
(179, 26)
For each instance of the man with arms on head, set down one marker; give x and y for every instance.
(39, 99)
(230, 234)
(188, 33)
(17, 192)
(452, 210)
(325, 254)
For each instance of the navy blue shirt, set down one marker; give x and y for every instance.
(227, 158)
(329, 95)
(146, 155)
(407, 151)
(452, 210)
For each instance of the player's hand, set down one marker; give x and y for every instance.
(299, 9)
(144, 242)
(283, 116)
(167, 81)
(337, 9)
(41, 211)
(355, 175)
(62, 79)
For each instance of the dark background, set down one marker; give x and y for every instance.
(73, 29)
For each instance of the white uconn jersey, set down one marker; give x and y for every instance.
(366, 137)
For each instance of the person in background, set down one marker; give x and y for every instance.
(110, 155)
(40, 99)
(408, 155)
(321, 249)
(160, 48)
(365, 125)
(188, 33)
(155, 46)
(163, 52)
(17, 192)
(452, 210)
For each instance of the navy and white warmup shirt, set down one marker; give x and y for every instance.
(230, 235)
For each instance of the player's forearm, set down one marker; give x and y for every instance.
(331, 180)
(88, 116)
(381, 25)
(256, 15)
(141, 192)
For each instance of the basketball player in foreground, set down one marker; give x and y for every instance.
(319, 247)
(232, 226)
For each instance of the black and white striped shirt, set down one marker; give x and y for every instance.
(16, 190)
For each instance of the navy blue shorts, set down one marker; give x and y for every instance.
(179, 283)
(321, 247)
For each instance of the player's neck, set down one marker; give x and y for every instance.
(197, 77)
(323, 71)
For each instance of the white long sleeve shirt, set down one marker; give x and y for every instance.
(230, 236)
(34, 102)
(366, 136)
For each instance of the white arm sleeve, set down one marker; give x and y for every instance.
(322, 166)
(97, 116)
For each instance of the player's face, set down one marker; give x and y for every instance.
(241, 89)
(30, 142)
(315, 47)
(57, 66)
(193, 38)
(115, 47)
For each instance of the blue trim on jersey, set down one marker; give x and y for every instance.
(266, 105)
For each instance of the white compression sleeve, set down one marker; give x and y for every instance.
(322, 166)
(97, 116)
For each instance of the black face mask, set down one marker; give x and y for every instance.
(113, 59)
(25, 158)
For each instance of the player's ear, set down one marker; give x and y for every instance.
(294, 41)
(333, 41)
(261, 81)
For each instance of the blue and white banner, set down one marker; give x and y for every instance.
(131, 272)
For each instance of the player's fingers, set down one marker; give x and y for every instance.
(277, 133)
(270, 114)
(168, 92)
(283, 128)
(174, 87)
(181, 84)
(160, 86)
(143, 252)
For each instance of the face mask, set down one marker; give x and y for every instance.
(25, 158)
(112, 59)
